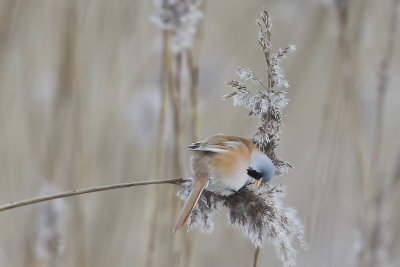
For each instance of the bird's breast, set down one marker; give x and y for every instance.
(228, 171)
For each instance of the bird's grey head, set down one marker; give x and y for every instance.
(261, 167)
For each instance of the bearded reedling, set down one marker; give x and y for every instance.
(224, 164)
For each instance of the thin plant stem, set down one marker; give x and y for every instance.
(160, 150)
(163, 111)
(176, 99)
(256, 256)
(349, 55)
(89, 190)
(367, 254)
(193, 68)
(194, 94)
(349, 72)
(195, 131)
(382, 88)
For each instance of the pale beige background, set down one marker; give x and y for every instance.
(79, 104)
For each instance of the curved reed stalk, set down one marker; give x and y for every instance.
(256, 255)
(31, 201)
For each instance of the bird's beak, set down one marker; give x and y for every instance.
(257, 183)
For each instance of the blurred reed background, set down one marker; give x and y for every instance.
(82, 86)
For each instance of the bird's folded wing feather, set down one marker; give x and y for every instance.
(216, 147)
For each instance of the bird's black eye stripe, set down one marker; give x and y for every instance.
(253, 173)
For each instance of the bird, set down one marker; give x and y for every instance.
(223, 165)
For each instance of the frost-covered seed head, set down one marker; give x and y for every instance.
(181, 18)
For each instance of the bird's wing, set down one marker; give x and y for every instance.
(216, 146)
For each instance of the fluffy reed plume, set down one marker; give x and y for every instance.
(267, 104)
(180, 17)
(258, 211)
(51, 228)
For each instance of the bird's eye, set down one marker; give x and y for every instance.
(255, 174)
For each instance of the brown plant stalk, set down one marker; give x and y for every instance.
(373, 229)
(160, 149)
(176, 98)
(180, 19)
(383, 79)
(256, 256)
(26, 202)
(194, 94)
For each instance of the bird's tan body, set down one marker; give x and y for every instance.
(219, 164)
(226, 171)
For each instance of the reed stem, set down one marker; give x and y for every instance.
(256, 256)
(31, 201)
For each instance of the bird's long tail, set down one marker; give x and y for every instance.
(198, 187)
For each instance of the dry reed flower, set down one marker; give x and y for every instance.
(267, 103)
(258, 211)
(51, 227)
(180, 17)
